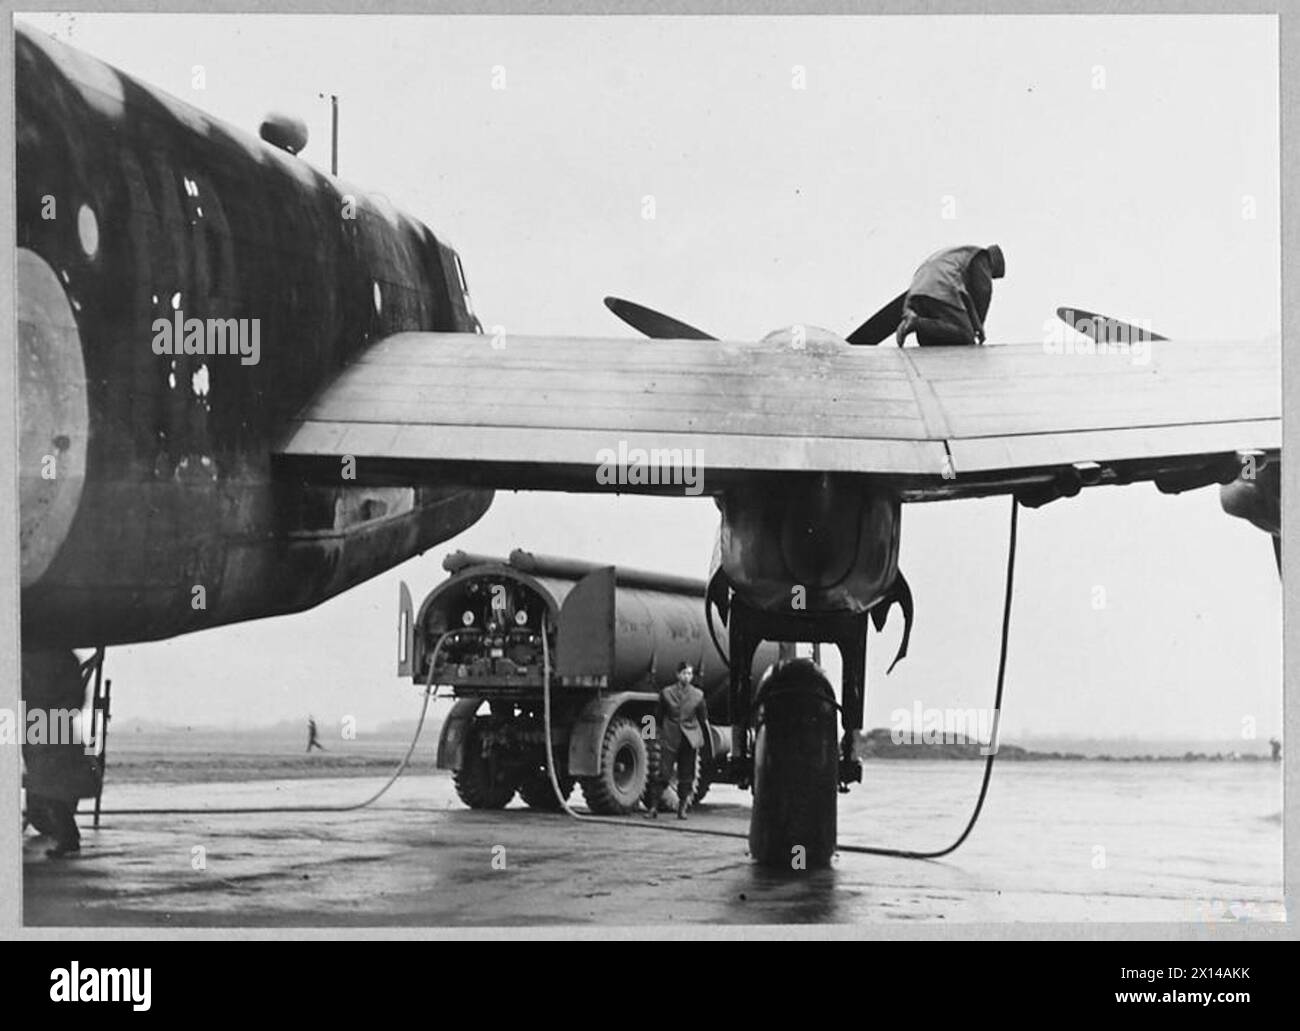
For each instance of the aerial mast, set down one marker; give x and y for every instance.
(334, 130)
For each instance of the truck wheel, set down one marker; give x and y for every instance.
(668, 800)
(624, 770)
(480, 783)
(702, 783)
(537, 793)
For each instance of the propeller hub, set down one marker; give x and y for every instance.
(802, 337)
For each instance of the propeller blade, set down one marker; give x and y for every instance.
(1087, 322)
(654, 324)
(881, 326)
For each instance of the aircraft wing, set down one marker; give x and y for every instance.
(543, 413)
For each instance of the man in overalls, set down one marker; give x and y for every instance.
(949, 298)
(682, 729)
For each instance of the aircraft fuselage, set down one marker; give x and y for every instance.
(150, 505)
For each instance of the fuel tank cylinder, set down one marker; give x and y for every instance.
(609, 627)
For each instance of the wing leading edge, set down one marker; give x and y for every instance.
(547, 413)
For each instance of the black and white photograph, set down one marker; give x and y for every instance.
(575, 472)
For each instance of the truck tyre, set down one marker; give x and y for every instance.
(668, 800)
(702, 783)
(537, 793)
(624, 770)
(480, 783)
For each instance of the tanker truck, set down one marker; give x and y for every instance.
(610, 637)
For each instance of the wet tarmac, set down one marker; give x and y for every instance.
(1197, 842)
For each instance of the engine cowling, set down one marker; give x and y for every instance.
(822, 544)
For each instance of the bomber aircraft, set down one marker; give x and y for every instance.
(242, 377)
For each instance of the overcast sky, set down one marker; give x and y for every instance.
(1114, 159)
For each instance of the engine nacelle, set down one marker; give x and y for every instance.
(828, 544)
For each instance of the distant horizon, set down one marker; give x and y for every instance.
(407, 724)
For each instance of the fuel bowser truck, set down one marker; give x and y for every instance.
(611, 638)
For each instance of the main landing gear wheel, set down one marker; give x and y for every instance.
(624, 770)
(537, 793)
(796, 769)
(480, 782)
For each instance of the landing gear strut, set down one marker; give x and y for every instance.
(797, 766)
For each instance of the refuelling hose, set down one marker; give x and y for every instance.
(855, 849)
(997, 716)
(401, 768)
(669, 827)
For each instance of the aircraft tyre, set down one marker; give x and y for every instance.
(793, 823)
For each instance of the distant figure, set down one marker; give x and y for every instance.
(1276, 745)
(683, 727)
(313, 738)
(949, 298)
